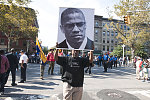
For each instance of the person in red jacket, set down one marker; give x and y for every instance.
(51, 61)
(4, 65)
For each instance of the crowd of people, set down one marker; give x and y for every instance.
(142, 68)
(71, 66)
(109, 61)
(9, 63)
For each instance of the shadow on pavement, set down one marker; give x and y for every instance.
(9, 90)
(43, 83)
(14, 96)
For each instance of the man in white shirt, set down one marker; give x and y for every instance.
(23, 63)
(138, 67)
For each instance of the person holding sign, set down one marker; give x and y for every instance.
(73, 73)
(73, 25)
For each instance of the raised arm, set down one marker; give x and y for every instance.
(91, 56)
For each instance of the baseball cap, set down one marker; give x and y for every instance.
(12, 49)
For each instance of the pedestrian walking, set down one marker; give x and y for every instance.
(105, 62)
(100, 59)
(13, 61)
(115, 61)
(138, 67)
(42, 67)
(145, 70)
(51, 61)
(125, 62)
(23, 63)
(110, 62)
(73, 74)
(120, 61)
(4, 65)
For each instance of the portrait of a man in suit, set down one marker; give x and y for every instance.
(73, 26)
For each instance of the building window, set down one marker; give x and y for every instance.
(112, 41)
(124, 27)
(112, 48)
(24, 43)
(116, 41)
(112, 33)
(103, 40)
(17, 43)
(128, 28)
(107, 33)
(96, 48)
(97, 25)
(96, 40)
(120, 40)
(2, 41)
(108, 40)
(107, 48)
(108, 24)
(103, 24)
(103, 48)
(128, 34)
(121, 26)
(125, 34)
(103, 33)
(96, 31)
(116, 33)
(2, 33)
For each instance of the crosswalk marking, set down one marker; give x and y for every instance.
(143, 92)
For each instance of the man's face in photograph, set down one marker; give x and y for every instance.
(74, 27)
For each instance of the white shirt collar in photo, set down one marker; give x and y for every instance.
(82, 45)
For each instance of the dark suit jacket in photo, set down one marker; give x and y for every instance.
(89, 44)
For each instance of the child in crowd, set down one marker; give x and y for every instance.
(145, 70)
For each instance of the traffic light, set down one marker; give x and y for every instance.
(127, 19)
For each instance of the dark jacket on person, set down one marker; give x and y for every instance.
(89, 44)
(73, 70)
(13, 60)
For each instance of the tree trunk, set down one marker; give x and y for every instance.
(8, 44)
(132, 52)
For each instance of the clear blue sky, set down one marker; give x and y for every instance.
(48, 15)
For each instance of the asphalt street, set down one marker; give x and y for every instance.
(117, 84)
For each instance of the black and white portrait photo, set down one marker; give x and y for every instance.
(76, 28)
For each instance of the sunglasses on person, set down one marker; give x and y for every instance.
(70, 26)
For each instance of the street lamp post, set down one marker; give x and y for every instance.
(123, 50)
